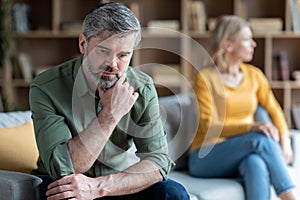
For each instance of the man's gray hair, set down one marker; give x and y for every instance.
(109, 19)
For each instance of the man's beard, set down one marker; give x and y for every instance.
(103, 82)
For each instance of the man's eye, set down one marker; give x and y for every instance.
(123, 55)
(102, 51)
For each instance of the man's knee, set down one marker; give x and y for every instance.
(170, 190)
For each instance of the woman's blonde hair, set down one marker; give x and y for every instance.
(226, 28)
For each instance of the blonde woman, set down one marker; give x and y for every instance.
(228, 96)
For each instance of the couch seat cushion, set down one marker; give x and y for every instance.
(210, 189)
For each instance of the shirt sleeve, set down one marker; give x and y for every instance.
(267, 99)
(150, 138)
(52, 134)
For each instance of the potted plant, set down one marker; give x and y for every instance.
(5, 7)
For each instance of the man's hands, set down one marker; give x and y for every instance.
(118, 100)
(80, 187)
(75, 186)
(87, 146)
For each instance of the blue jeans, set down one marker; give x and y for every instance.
(163, 190)
(255, 158)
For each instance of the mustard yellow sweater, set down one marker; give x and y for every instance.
(227, 112)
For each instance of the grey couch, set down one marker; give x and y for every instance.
(180, 121)
(179, 113)
(17, 185)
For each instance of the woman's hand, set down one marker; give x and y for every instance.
(267, 129)
(270, 130)
(287, 150)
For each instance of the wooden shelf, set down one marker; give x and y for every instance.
(46, 34)
(47, 44)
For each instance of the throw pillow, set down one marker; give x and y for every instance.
(18, 149)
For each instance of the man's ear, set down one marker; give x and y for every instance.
(82, 42)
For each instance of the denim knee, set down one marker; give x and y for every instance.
(254, 165)
(256, 177)
(261, 143)
(170, 190)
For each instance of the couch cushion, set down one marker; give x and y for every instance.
(179, 116)
(15, 118)
(17, 186)
(210, 189)
(18, 150)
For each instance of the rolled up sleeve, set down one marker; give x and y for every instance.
(150, 138)
(52, 135)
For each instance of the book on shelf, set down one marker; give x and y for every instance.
(20, 17)
(296, 115)
(211, 23)
(166, 75)
(71, 26)
(266, 25)
(22, 67)
(158, 26)
(296, 75)
(26, 66)
(163, 74)
(197, 16)
(281, 68)
(294, 6)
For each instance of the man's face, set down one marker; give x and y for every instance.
(105, 61)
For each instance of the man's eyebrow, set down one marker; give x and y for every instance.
(126, 52)
(103, 47)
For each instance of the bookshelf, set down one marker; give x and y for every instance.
(54, 35)
(269, 43)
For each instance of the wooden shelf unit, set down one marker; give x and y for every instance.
(47, 44)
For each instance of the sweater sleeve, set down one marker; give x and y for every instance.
(267, 99)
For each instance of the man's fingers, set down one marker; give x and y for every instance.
(121, 79)
(63, 181)
(135, 96)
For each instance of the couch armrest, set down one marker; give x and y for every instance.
(16, 185)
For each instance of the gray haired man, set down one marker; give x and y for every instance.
(97, 121)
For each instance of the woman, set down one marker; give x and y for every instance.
(229, 143)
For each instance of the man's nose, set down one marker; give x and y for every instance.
(112, 61)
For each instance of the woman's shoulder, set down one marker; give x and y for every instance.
(251, 68)
(254, 72)
(208, 71)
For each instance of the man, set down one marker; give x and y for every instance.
(93, 114)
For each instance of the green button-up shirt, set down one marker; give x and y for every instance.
(62, 106)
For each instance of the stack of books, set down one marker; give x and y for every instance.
(164, 74)
(197, 19)
(20, 17)
(163, 26)
(281, 68)
(266, 25)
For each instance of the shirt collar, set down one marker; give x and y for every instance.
(80, 83)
